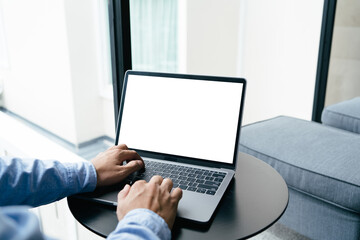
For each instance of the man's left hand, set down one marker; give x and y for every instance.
(109, 164)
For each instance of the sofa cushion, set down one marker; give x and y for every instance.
(344, 115)
(315, 159)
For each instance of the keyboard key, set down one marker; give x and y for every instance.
(201, 190)
(211, 183)
(219, 175)
(176, 181)
(218, 179)
(191, 179)
(208, 187)
(184, 183)
(193, 189)
(200, 181)
(192, 184)
(210, 192)
(183, 187)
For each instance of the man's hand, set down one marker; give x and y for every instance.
(109, 164)
(155, 195)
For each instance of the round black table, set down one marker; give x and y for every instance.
(256, 198)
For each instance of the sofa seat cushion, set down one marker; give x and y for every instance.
(315, 159)
(344, 115)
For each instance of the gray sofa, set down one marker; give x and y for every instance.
(321, 166)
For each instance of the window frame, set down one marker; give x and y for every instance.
(120, 44)
(326, 35)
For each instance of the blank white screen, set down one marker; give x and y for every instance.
(191, 118)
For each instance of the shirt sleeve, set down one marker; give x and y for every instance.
(141, 224)
(19, 223)
(34, 182)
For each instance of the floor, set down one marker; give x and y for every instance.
(279, 232)
(87, 150)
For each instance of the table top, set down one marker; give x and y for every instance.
(256, 198)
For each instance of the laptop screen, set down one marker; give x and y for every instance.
(195, 118)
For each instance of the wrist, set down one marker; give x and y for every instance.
(146, 219)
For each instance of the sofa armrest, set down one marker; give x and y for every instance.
(344, 115)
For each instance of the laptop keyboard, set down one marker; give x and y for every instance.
(187, 178)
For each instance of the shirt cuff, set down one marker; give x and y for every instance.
(92, 178)
(141, 222)
(81, 177)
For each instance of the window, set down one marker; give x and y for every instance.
(154, 35)
(271, 44)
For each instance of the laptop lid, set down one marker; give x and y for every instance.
(184, 118)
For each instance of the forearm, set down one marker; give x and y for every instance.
(141, 224)
(34, 182)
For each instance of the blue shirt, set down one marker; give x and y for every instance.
(31, 182)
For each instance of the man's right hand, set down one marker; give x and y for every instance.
(156, 195)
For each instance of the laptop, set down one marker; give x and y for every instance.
(185, 127)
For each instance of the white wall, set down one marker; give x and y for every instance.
(82, 41)
(53, 78)
(212, 37)
(108, 117)
(37, 84)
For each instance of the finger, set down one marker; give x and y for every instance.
(139, 182)
(122, 146)
(129, 155)
(138, 185)
(156, 179)
(134, 165)
(177, 194)
(126, 156)
(138, 161)
(167, 184)
(125, 170)
(124, 192)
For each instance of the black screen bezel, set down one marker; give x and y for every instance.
(176, 158)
